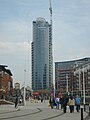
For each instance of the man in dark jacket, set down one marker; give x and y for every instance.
(16, 102)
(64, 102)
(51, 101)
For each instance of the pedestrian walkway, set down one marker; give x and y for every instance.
(7, 107)
(42, 110)
(5, 102)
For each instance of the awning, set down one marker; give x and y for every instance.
(36, 93)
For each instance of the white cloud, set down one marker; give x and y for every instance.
(16, 55)
(13, 48)
(71, 28)
(23, 46)
(18, 30)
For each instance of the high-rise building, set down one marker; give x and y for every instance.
(42, 66)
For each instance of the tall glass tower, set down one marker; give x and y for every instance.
(42, 66)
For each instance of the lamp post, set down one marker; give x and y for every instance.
(83, 86)
(24, 86)
(54, 88)
(80, 82)
(67, 83)
(83, 89)
(83, 70)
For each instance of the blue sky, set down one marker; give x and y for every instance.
(71, 32)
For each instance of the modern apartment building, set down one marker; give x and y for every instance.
(42, 66)
(67, 77)
(82, 79)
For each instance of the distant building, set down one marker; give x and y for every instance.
(17, 89)
(6, 81)
(42, 66)
(17, 86)
(65, 79)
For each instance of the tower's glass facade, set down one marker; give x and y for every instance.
(41, 55)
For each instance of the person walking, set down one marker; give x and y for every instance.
(77, 103)
(71, 104)
(57, 102)
(51, 101)
(16, 102)
(61, 103)
(64, 103)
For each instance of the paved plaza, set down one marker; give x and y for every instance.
(36, 111)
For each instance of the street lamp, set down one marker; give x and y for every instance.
(54, 88)
(24, 86)
(67, 83)
(83, 89)
(83, 86)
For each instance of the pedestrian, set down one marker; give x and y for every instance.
(77, 103)
(16, 102)
(61, 103)
(41, 99)
(71, 104)
(51, 101)
(64, 103)
(57, 102)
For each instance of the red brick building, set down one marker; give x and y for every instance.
(6, 81)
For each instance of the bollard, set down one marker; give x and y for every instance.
(81, 113)
(89, 109)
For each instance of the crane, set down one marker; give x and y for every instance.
(50, 8)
